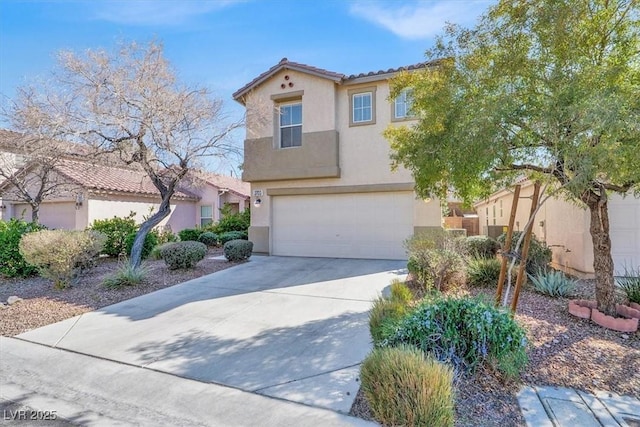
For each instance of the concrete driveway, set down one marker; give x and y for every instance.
(291, 328)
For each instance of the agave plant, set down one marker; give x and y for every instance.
(553, 283)
(630, 283)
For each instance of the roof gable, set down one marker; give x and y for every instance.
(285, 64)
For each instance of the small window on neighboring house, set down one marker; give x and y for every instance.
(362, 106)
(206, 215)
(402, 105)
(500, 208)
(494, 214)
(291, 125)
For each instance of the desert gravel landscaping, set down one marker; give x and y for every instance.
(42, 304)
(564, 351)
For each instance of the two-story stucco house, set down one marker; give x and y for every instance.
(319, 166)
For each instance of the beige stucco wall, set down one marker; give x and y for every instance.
(562, 225)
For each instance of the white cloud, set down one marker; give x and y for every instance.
(155, 12)
(420, 20)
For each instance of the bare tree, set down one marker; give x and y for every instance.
(27, 168)
(130, 103)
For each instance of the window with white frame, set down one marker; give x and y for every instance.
(362, 107)
(206, 215)
(403, 104)
(291, 125)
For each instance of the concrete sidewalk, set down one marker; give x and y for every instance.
(565, 407)
(89, 391)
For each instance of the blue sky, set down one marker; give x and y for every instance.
(223, 44)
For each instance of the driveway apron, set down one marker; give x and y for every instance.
(291, 328)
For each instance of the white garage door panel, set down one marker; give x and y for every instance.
(369, 225)
(624, 220)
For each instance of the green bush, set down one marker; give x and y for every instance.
(126, 275)
(165, 235)
(232, 221)
(12, 263)
(383, 318)
(183, 254)
(189, 234)
(553, 283)
(117, 230)
(464, 332)
(436, 259)
(629, 282)
(482, 246)
(483, 271)
(231, 235)
(400, 292)
(405, 387)
(156, 252)
(59, 255)
(150, 242)
(539, 255)
(208, 238)
(237, 250)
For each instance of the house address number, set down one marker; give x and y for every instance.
(258, 193)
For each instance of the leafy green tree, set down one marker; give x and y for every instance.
(543, 88)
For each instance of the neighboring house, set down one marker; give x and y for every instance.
(564, 226)
(92, 191)
(319, 166)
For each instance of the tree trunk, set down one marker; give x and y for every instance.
(136, 250)
(35, 211)
(602, 260)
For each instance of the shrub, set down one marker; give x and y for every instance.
(553, 283)
(400, 292)
(483, 271)
(539, 255)
(404, 387)
(232, 221)
(60, 254)
(237, 250)
(117, 230)
(465, 332)
(208, 238)
(630, 284)
(183, 254)
(482, 246)
(156, 252)
(165, 235)
(150, 242)
(12, 263)
(189, 234)
(126, 275)
(383, 318)
(231, 235)
(436, 259)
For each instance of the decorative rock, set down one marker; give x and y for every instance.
(625, 336)
(3, 305)
(13, 299)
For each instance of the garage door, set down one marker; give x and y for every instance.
(52, 215)
(363, 225)
(624, 219)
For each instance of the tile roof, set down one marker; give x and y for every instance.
(234, 185)
(320, 72)
(110, 178)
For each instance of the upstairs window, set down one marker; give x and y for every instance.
(291, 125)
(403, 104)
(362, 106)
